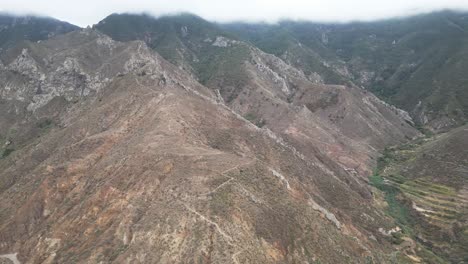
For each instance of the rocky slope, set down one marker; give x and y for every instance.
(113, 154)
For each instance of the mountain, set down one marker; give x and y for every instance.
(426, 186)
(141, 163)
(15, 29)
(333, 119)
(415, 63)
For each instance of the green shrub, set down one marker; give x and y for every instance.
(250, 116)
(396, 208)
(6, 152)
(45, 123)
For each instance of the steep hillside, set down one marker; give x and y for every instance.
(344, 123)
(14, 29)
(142, 164)
(427, 189)
(416, 63)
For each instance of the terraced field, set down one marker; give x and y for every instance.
(426, 190)
(440, 204)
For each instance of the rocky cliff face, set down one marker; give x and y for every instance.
(112, 154)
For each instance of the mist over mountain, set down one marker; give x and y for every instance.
(252, 11)
(174, 139)
(14, 29)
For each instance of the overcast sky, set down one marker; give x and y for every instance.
(88, 12)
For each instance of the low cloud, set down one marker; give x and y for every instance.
(88, 12)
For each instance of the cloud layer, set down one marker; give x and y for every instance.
(88, 12)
